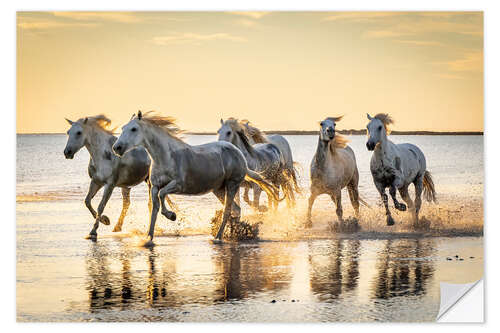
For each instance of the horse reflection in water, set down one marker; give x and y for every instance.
(248, 270)
(236, 273)
(398, 276)
(334, 269)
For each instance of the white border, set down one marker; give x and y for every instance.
(7, 134)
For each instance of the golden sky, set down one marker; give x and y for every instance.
(281, 70)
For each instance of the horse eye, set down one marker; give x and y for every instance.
(79, 133)
(133, 129)
(380, 128)
(321, 123)
(228, 133)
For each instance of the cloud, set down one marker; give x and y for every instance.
(384, 34)
(246, 23)
(419, 42)
(47, 24)
(122, 17)
(450, 76)
(253, 15)
(195, 39)
(360, 16)
(470, 62)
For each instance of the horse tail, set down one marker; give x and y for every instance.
(429, 190)
(294, 173)
(270, 189)
(290, 177)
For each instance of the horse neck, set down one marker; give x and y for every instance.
(321, 151)
(99, 144)
(248, 151)
(161, 146)
(382, 149)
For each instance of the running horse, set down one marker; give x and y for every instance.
(396, 166)
(180, 168)
(290, 184)
(333, 168)
(105, 168)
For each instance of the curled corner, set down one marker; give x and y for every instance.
(451, 294)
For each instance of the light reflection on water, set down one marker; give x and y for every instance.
(191, 279)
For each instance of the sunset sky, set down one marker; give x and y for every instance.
(281, 70)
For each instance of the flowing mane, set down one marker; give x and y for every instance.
(100, 121)
(166, 123)
(386, 120)
(339, 141)
(253, 132)
(239, 129)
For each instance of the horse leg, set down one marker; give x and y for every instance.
(313, 196)
(354, 197)
(406, 197)
(126, 204)
(108, 190)
(93, 189)
(246, 198)
(418, 193)
(337, 199)
(236, 205)
(154, 214)
(256, 199)
(150, 202)
(231, 190)
(399, 206)
(169, 188)
(385, 199)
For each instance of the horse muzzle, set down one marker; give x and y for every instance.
(370, 145)
(119, 149)
(69, 154)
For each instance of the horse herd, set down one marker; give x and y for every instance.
(150, 150)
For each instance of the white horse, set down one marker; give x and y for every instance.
(105, 168)
(179, 168)
(333, 167)
(397, 166)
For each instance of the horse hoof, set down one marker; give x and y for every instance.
(148, 243)
(308, 224)
(401, 207)
(171, 216)
(216, 241)
(104, 220)
(92, 237)
(390, 221)
(117, 229)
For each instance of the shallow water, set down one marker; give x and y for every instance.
(377, 274)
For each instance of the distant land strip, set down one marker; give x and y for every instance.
(296, 132)
(355, 132)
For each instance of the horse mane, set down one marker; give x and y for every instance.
(166, 123)
(339, 141)
(253, 132)
(100, 121)
(385, 119)
(239, 129)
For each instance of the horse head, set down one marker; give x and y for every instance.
(76, 138)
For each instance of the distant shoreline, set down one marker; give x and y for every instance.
(297, 132)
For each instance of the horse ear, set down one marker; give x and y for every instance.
(86, 119)
(221, 121)
(368, 116)
(338, 118)
(139, 115)
(69, 121)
